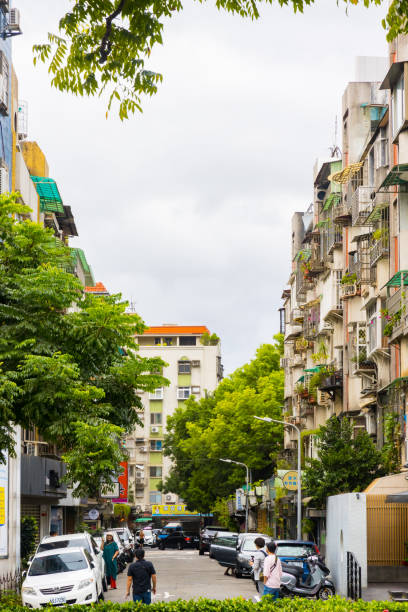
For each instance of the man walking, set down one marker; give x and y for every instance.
(143, 576)
(272, 572)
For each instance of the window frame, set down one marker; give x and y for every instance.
(154, 416)
(183, 363)
(154, 443)
(183, 393)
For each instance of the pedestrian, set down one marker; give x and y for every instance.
(272, 571)
(143, 576)
(258, 563)
(110, 553)
(141, 537)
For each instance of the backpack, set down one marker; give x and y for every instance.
(261, 574)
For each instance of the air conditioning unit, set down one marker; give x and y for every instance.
(14, 21)
(195, 364)
(170, 499)
(195, 390)
(4, 180)
(155, 429)
(143, 449)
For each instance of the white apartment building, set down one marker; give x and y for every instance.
(193, 368)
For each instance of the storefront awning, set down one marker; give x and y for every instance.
(345, 175)
(397, 176)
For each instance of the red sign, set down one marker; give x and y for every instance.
(123, 484)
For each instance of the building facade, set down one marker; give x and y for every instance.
(345, 307)
(193, 368)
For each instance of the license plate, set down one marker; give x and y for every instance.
(57, 600)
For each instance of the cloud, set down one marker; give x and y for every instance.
(186, 208)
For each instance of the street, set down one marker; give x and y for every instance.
(186, 575)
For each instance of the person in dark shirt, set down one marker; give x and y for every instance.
(143, 575)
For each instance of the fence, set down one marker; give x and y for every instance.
(387, 531)
(353, 577)
(11, 582)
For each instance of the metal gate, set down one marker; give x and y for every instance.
(387, 531)
(353, 577)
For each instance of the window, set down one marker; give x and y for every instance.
(156, 445)
(157, 340)
(157, 394)
(169, 341)
(156, 471)
(188, 341)
(371, 168)
(4, 84)
(131, 471)
(183, 393)
(398, 104)
(184, 367)
(156, 418)
(381, 149)
(155, 497)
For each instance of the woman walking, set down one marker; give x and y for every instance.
(272, 572)
(110, 552)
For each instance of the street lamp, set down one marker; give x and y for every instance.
(247, 487)
(299, 466)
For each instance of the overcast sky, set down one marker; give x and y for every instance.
(186, 208)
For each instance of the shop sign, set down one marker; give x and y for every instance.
(174, 509)
(4, 502)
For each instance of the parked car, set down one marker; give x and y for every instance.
(207, 535)
(223, 548)
(62, 576)
(124, 533)
(77, 540)
(295, 552)
(150, 538)
(173, 539)
(245, 550)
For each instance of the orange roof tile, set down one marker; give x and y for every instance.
(172, 330)
(98, 288)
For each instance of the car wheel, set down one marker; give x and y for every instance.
(161, 546)
(325, 593)
(180, 546)
(104, 584)
(238, 574)
(101, 596)
(200, 551)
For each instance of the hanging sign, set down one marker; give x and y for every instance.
(290, 480)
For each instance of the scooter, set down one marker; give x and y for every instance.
(121, 561)
(294, 583)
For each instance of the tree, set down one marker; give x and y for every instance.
(64, 369)
(345, 463)
(105, 45)
(223, 426)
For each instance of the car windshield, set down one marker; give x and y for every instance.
(249, 544)
(75, 543)
(57, 564)
(228, 541)
(295, 550)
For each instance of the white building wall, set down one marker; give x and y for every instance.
(26, 187)
(346, 532)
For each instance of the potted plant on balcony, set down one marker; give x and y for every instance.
(349, 278)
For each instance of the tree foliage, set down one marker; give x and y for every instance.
(105, 45)
(28, 537)
(63, 369)
(200, 433)
(345, 463)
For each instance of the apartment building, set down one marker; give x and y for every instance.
(194, 368)
(346, 321)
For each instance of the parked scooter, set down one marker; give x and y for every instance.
(295, 583)
(121, 561)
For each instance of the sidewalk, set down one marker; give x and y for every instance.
(380, 591)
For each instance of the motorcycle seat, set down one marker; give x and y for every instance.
(292, 569)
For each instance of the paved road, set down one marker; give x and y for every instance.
(186, 575)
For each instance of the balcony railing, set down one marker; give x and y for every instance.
(396, 306)
(296, 316)
(361, 205)
(334, 237)
(341, 212)
(379, 249)
(348, 291)
(360, 265)
(311, 323)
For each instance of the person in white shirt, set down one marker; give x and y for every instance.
(272, 572)
(258, 563)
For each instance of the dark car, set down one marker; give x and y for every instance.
(174, 539)
(245, 550)
(224, 548)
(192, 539)
(207, 535)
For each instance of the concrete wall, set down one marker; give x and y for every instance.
(346, 532)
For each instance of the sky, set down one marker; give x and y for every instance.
(185, 209)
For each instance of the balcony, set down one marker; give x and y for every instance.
(311, 323)
(341, 213)
(380, 248)
(360, 262)
(396, 317)
(361, 205)
(332, 383)
(349, 291)
(292, 331)
(334, 237)
(296, 316)
(298, 360)
(42, 477)
(315, 263)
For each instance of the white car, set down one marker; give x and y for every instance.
(62, 576)
(124, 533)
(81, 540)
